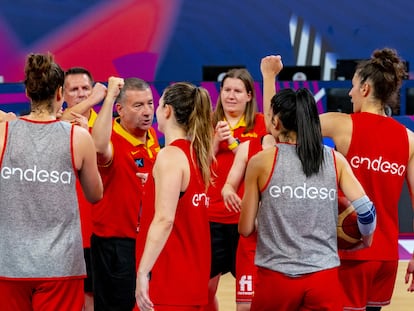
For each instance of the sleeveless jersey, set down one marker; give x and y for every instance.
(220, 169)
(255, 146)
(297, 218)
(145, 216)
(116, 215)
(181, 273)
(246, 248)
(39, 217)
(85, 207)
(378, 155)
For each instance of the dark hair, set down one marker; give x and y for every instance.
(251, 107)
(192, 110)
(298, 113)
(131, 84)
(386, 71)
(42, 78)
(79, 71)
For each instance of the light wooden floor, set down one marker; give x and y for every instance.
(401, 300)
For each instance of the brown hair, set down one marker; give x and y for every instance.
(192, 110)
(251, 107)
(42, 78)
(386, 71)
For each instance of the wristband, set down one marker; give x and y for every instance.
(234, 144)
(367, 218)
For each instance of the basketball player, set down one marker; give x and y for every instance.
(381, 152)
(368, 133)
(39, 216)
(182, 176)
(296, 182)
(232, 193)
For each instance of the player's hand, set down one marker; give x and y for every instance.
(357, 246)
(231, 200)
(271, 65)
(98, 92)
(115, 84)
(222, 131)
(7, 116)
(141, 293)
(80, 120)
(410, 275)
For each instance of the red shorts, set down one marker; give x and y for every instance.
(314, 291)
(66, 295)
(367, 283)
(246, 270)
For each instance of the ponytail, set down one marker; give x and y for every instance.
(193, 112)
(309, 135)
(298, 113)
(200, 131)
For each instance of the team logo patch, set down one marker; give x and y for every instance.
(139, 162)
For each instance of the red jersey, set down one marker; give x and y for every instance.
(85, 213)
(246, 249)
(116, 215)
(378, 155)
(255, 146)
(85, 207)
(145, 216)
(181, 273)
(220, 168)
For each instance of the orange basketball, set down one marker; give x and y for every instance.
(347, 229)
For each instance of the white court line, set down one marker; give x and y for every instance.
(408, 245)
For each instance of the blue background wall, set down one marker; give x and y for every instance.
(170, 40)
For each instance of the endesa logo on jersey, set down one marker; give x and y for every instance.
(378, 165)
(200, 198)
(304, 191)
(36, 175)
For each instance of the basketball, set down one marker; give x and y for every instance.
(347, 229)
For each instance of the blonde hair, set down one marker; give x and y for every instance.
(251, 107)
(192, 109)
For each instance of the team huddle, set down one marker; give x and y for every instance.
(97, 215)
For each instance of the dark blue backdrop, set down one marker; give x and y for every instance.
(215, 32)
